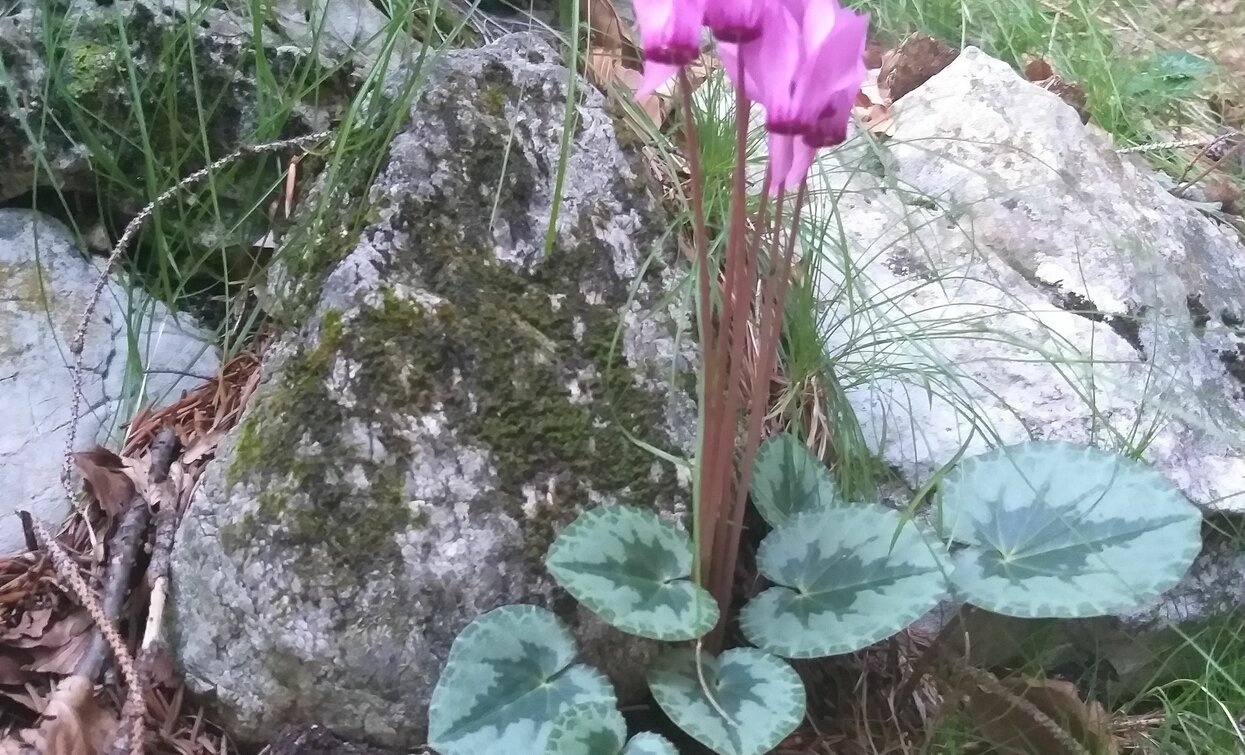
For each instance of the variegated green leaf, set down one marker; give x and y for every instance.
(647, 743)
(788, 478)
(599, 729)
(508, 675)
(633, 570)
(587, 729)
(1058, 530)
(841, 586)
(761, 694)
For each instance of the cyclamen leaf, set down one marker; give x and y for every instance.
(841, 586)
(599, 729)
(1057, 530)
(787, 478)
(587, 729)
(633, 570)
(508, 676)
(647, 743)
(762, 695)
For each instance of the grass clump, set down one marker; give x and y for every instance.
(151, 97)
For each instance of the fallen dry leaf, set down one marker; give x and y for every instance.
(874, 53)
(56, 632)
(61, 659)
(1226, 192)
(912, 63)
(11, 671)
(73, 722)
(879, 119)
(1039, 71)
(104, 480)
(1012, 730)
(33, 623)
(607, 32)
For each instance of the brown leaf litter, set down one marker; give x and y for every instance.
(45, 631)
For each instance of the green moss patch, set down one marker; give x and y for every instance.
(521, 361)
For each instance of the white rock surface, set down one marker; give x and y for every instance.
(1002, 274)
(45, 283)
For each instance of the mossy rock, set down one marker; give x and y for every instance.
(461, 387)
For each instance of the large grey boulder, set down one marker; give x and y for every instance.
(1025, 281)
(1003, 274)
(135, 354)
(456, 395)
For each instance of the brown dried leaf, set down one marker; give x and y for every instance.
(874, 53)
(104, 480)
(11, 671)
(73, 722)
(61, 659)
(913, 63)
(879, 119)
(1040, 72)
(33, 623)
(1225, 191)
(56, 633)
(607, 30)
(603, 66)
(203, 447)
(1012, 730)
(1038, 69)
(651, 105)
(138, 470)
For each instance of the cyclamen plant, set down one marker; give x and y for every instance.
(1037, 530)
(802, 61)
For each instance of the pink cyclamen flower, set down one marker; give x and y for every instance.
(829, 130)
(805, 68)
(670, 36)
(735, 21)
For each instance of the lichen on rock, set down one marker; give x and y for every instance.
(458, 391)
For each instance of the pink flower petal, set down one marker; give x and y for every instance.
(655, 77)
(670, 29)
(835, 66)
(772, 62)
(818, 21)
(781, 149)
(653, 17)
(802, 156)
(735, 21)
(830, 129)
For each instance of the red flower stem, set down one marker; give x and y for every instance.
(772, 311)
(740, 275)
(701, 524)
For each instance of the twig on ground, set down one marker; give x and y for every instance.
(1228, 155)
(67, 574)
(164, 500)
(123, 550)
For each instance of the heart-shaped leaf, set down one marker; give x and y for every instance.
(788, 478)
(648, 743)
(599, 729)
(841, 586)
(508, 676)
(587, 729)
(1057, 530)
(633, 570)
(761, 694)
